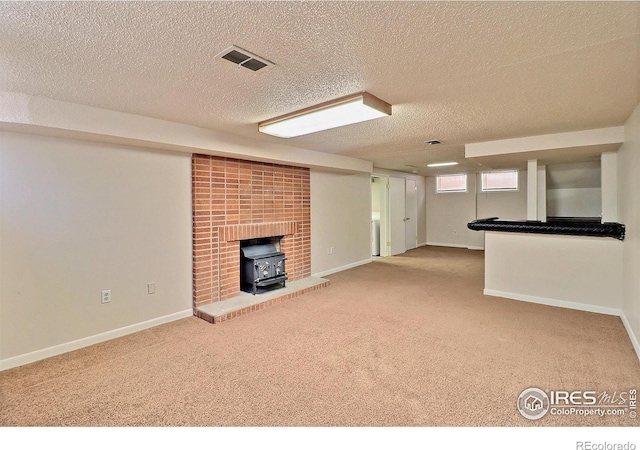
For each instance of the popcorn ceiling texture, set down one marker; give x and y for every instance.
(235, 200)
(461, 72)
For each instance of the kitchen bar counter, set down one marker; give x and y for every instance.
(568, 227)
(578, 272)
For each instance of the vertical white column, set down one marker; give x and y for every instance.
(609, 186)
(532, 189)
(542, 193)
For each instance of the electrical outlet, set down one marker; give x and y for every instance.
(151, 288)
(331, 251)
(105, 296)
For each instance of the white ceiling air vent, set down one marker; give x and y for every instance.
(243, 58)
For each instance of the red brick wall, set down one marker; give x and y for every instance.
(235, 200)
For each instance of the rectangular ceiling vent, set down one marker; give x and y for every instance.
(244, 58)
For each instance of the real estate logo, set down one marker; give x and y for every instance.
(533, 403)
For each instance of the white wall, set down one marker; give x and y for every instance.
(574, 189)
(629, 215)
(578, 272)
(38, 115)
(577, 202)
(340, 218)
(509, 205)
(81, 217)
(448, 214)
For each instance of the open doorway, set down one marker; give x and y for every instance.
(411, 214)
(388, 219)
(379, 216)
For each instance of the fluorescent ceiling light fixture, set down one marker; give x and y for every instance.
(332, 114)
(442, 164)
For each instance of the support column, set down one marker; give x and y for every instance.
(542, 193)
(532, 189)
(609, 186)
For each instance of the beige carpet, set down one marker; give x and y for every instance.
(403, 341)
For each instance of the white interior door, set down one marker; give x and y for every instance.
(397, 215)
(411, 214)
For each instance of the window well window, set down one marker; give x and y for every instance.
(452, 183)
(504, 180)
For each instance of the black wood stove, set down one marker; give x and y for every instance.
(261, 268)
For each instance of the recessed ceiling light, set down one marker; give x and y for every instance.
(443, 164)
(433, 142)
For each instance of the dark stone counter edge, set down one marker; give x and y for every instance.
(607, 229)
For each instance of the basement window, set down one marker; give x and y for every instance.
(451, 183)
(500, 181)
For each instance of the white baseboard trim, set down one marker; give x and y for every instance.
(28, 358)
(439, 244)
(341, 268)
(555, 302)
(632, 336)
(422, 244)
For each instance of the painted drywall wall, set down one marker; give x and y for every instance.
(451, 212)
(629, 214)
(580, 202)
(509, 205)
(340, 220)
(545, 145)
(38, 115)
(574, 189)
(571, 271)
(81, 217)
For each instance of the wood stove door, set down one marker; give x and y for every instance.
(277, 265)
(264, 268)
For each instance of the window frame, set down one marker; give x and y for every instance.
(452, 191)
(516, 189)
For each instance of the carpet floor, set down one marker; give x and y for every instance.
(404, 341)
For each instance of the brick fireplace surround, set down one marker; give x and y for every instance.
(234, 200)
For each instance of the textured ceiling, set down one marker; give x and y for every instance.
(460, 72)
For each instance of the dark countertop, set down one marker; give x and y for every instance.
(562, 226)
